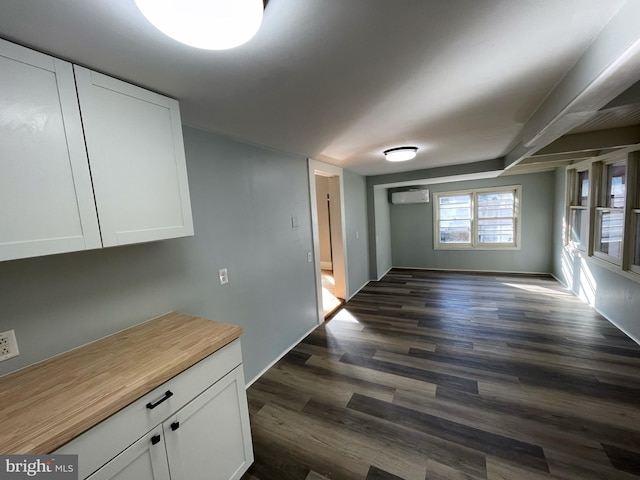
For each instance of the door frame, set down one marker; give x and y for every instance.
(338, 228)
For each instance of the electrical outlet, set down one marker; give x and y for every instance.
(8, 345)
(223, 276)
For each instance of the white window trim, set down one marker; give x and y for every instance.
(572, 194)
(633, 227)
(474, 244)
(632, 211)
(598, 207)
(596, 166)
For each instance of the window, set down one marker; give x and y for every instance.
(609, 219)
(496, 217)
(636, 244)
(579, 208)
(634, 201)
(480, 219)
(606, 194)
(455, 219)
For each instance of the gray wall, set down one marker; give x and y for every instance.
(383, 236)
(243, 198)
(412, 231)
(378, 209)
(355, 204)
(611, 293)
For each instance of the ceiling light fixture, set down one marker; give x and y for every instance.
(400, 154)
(206, 24)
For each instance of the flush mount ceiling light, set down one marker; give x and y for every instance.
(400, 154)
(206, 24)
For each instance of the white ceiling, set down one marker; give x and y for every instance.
(342, 80)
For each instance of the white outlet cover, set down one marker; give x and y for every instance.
(223, 276)
(8, 345)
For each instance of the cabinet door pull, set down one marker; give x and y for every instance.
(167, 394)
(175, 426)
(155, 439)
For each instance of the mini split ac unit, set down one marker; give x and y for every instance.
(410, 196)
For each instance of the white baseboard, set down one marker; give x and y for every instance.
(613, 322)
(627, 333)
(388, 270)
(468, 270)
(561, 282)
(279, 357)
(358, 290)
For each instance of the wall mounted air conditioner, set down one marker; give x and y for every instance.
(410, 196)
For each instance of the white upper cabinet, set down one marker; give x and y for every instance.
(136, 154)
(46, 199)
(85, 162)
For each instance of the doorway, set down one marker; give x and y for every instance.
(324, 204)
(327, 191)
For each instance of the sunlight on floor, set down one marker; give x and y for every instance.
(538, 289)
(345, 315)
(329, 302)
(341, 321)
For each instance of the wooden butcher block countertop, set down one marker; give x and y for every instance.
(45, 405)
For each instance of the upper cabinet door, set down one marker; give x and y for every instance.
(136, 153)
(46, 200)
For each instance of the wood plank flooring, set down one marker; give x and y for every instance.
(433, 375)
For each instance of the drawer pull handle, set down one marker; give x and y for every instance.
(175, 426)
(167, 395)
(155, 439)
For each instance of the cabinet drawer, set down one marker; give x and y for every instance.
(103, 442)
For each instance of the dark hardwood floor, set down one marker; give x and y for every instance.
(453, 376)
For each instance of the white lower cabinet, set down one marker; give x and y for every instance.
(210, 438)
(146, 459)
(202, 435)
